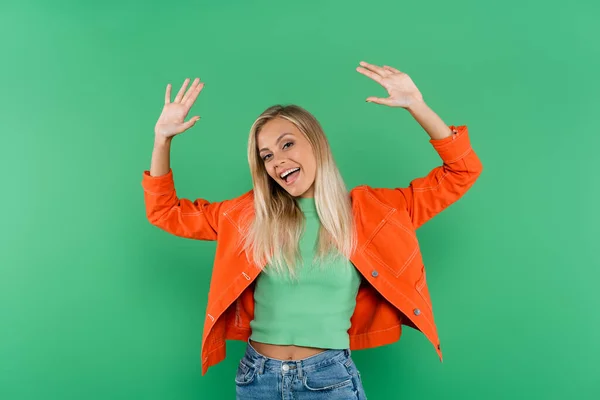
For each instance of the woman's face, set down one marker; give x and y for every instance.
(288, 157)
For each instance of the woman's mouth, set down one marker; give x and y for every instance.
(291, 176)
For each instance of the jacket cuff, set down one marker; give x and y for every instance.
(158, 184)
(455, 146)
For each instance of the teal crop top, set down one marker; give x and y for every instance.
(313, 310)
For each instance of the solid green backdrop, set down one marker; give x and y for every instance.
(95, 303)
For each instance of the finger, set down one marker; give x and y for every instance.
(189, 102)
(191, 90)
(181, 91)
(392, 69)
(168, 94)
(375, 68)
(376, 77)
(190, 122)
(380, 100)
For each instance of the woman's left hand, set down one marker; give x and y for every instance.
(401, 89)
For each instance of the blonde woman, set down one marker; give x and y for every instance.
(306, 271)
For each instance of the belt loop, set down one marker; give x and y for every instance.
(299, 368)
(261, 368)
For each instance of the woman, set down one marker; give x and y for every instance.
(306, 271)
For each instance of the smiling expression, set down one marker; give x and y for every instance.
(288, 157)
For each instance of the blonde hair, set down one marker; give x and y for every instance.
(273, 235)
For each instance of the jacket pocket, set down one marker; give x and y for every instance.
(394, 246)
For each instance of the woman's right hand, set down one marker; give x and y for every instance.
(170, 122)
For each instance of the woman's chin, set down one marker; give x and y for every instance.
(296, 188)
(295, 191)
(307, 192)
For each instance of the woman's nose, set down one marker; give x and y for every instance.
(278, 159)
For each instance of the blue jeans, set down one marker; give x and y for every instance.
(330, 375)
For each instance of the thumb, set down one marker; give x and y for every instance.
(379, 100)
(187, 125)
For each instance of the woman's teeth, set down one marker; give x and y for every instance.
(288, 172)
(291, 176)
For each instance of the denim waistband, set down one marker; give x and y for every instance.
(308, 364)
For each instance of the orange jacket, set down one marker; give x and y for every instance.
(394, 290)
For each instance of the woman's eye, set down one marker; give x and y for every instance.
(286, 145)
(265, 157)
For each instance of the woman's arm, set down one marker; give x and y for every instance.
(161, 156)
(428, 195)
(196, 219)
(429, 120)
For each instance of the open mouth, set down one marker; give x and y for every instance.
(290, 175)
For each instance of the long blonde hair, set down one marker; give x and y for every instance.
(273, 235)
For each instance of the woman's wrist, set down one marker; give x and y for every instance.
(161, 141)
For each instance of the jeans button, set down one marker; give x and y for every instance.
(285, 367)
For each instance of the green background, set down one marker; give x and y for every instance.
(95, 303)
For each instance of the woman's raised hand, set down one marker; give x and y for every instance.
(171, 120)
(401, 89)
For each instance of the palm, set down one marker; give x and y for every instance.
(401, 89)
(171, 118)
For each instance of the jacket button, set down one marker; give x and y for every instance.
(417, 311)
(374, 273)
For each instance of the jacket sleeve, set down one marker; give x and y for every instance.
(196, 219)
(428, 195)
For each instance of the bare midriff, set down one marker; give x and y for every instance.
(285, 352)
